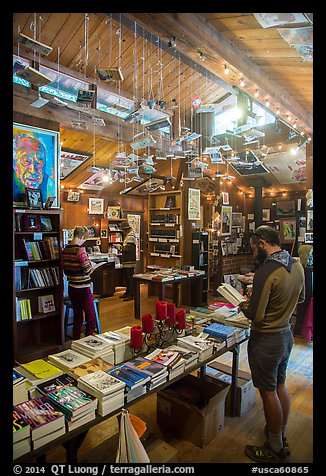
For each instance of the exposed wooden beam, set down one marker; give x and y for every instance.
(194, 34)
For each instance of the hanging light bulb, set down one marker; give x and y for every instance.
(226, 69)
(257, 93)
(277, 110)
(288, 117)
(267, 103)
(242, 83)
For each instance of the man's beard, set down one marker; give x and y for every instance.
(261, 255)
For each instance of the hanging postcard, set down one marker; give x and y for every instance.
(193, 204)
(268, 20)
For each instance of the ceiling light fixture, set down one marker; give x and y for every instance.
(226, 69)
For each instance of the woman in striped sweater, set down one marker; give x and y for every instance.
(77, 267)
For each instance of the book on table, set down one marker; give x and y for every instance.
(42, 416)
(157, 372)
(101, 384)
(231, 294)
(21, 427)
(68, 359)
(164, 357)
(130, 376)
(38, 371)
(89, 367)
(21, 447)
(17, 377)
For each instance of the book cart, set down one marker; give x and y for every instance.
(72, 440)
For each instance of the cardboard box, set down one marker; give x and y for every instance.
(198, 424)
(246, 392)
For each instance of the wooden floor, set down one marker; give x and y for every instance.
(228, 447)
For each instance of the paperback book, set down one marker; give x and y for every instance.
(90, 367)
(231, 294)
(131, 377)
(101, 384)
(38, 371)
(68, 359)
(21, 428)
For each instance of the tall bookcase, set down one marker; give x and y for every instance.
(200, 259)
(37, 258)
(165, 227)
(114, 234)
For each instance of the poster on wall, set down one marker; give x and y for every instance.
(134, 222)
(35, 163)
(193, 204)
(69, 161)
(226, 219)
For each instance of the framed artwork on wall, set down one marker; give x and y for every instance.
(73, 196)
(35, 163)
(285, 208)
(309, 238)
(287, 230)
(266, 214)
(225, 198)
(96, 206)
(226, 220)
(310, 220)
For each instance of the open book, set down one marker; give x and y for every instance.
(231, 294)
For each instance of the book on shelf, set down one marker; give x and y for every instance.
(41, 415)
(38, 371)
(46, 223)
(231, 294)
(68, 359)
(21, 427)
(46, 303)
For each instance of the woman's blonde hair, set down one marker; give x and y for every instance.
(81, 232)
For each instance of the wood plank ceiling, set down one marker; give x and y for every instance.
(83, 42)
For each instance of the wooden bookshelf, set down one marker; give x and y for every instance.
(35, 275)
(165, 226)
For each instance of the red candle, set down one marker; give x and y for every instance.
(147, 323)
(161, 310)
(136, 337)
(171, 313)
(181, 319)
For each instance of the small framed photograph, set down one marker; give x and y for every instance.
(225, 198)
(285, 208)
(310, 220)
(34, 198)
(95, 206)
(309, 238)
(49, 202)
(266, 214)
(91, 231)
(287, 230)
(104, 233)
(46, 224)
(73, 196)
(32, 222)
(226, 220)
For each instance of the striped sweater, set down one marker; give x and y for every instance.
(76, 266)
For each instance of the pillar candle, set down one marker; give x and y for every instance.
(171, 314)
(161, 310)
(147, 323)
(136, 337)
(181, 319)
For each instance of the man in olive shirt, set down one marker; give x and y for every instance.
(278, 286)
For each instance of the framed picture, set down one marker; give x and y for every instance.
(49, 202)
(91, 231)
(73, 196)
(226, 220)
(193, 204)
(225, 198)
(236, 219)
(113, 211)
(309, 238)
(35, 163)
(34, 198)
(46, 224)
(95, 206)
(266, 214)
(287, 230)
(310, 220)
(104, 233)
(285, 209)
(32, 222)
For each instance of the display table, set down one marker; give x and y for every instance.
(73, 439)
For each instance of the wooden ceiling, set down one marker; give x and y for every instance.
(138, 43)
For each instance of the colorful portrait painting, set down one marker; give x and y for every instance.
(35, 163)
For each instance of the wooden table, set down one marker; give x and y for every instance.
(72, 440)
(162, 289)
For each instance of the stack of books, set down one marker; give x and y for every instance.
(125, 331)
(171, 359)
(239, 320)
(38, 371)
(190, 357)
(222, 331)
(77, 405)
(21, 435)
(107, 389)
(93, 347)
(89, 367)
(119, 343)
(68, 359)
(45, 421)
(203, 346)
(158, 372)
(134, 379)
(19, 391)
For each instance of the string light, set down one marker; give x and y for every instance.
(277, 110)
(288, 117)
(267, 103)
(257, 93)
(226, 69)
(242, 83)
